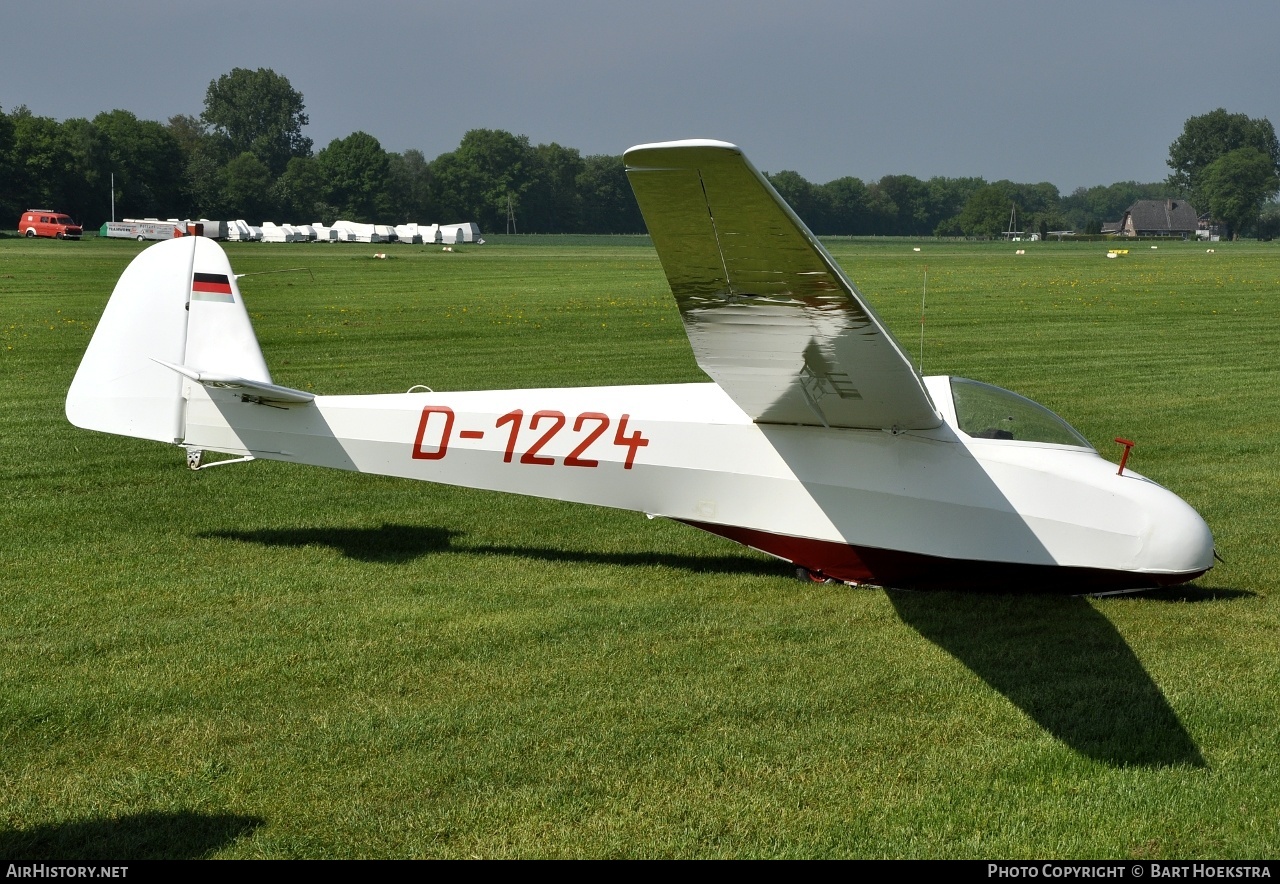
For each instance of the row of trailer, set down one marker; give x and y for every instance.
(339, 231)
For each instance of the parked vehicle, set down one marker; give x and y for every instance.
(147, 228)
(46, 222)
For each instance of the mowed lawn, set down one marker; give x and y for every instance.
(266, 660)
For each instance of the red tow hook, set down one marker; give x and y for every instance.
(1124, 459)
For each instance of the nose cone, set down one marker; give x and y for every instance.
(1177, 542)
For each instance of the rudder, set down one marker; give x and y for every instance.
(177, 302)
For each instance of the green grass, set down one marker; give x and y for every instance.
(274, 661)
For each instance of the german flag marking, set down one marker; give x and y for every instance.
(211, 287)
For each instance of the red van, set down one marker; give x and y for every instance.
(46, 222)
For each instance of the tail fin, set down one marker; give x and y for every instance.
(176, 305)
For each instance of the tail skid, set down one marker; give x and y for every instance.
(196, 461)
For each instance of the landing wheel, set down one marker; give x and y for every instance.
(813, 576)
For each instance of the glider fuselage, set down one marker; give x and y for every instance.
(904, 508)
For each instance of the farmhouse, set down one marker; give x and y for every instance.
(1158, 218)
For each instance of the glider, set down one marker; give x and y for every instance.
(816, 440)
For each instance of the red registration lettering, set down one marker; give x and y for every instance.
(443, 445)
(575, 457)
(513, 419)
(531, 456)
(632, 443)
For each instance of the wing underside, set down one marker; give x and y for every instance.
(771, 317)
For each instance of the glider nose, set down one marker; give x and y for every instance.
(1178, 541)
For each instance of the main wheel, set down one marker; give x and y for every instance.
(139, 237)
(30, 233)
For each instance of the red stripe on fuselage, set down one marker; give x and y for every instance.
(908, 570)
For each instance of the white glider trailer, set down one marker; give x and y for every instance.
(408, 233)
(272, 232)
(242, 231)
(145, 229)
(354, 231)
(451, 234)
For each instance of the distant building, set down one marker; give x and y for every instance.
(1209, 229)
(1157, 218)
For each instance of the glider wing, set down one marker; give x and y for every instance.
(771, 317)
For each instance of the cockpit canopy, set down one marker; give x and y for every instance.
(987, 412)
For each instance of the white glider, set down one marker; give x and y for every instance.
(816, 441)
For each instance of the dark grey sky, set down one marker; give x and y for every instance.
(1075, 93)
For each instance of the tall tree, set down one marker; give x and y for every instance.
(409, 184)
(882, 211)
(147, 162)
(355, 170)
(203, 181)
(847, 202)
(44, 166)
(1037, 205)
(911, 196)
(947, 197)
(302, 193)
(1268, 224)
(987, 211)
(1236, 185)
(8, 192)
(1207, 138)
(608, 202)
(259, 112)
(246, 184)
(806, 199)
(88, 189)
(188, 131)
(491, 170)
(201, 166)
(552, 203)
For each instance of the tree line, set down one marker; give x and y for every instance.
(245, 156)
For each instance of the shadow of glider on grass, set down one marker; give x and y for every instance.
(817, 441)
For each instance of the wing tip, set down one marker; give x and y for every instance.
(633, 154)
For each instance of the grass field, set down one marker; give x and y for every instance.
(274, 661)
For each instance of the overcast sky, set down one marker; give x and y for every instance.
(1076, 93)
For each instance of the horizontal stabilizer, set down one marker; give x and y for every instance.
(256, 389)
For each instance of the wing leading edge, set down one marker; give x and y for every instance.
(771, 317)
